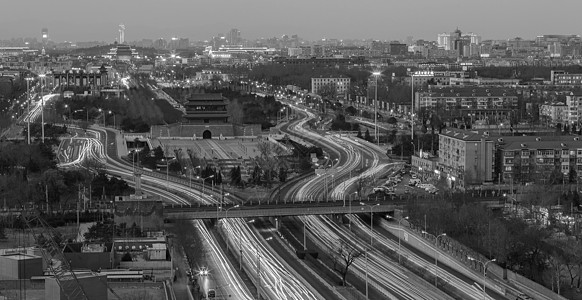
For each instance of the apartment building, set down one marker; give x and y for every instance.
(467, 98)
(558, 77)
(477, 157)
(555, 112)
(574, 108)
(466, 157)
(342, 84)
(536, 159)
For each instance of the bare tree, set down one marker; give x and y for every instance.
(342, 257)
(236, 111)
(268, 159)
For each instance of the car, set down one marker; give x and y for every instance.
(413, 181)
(380, 189)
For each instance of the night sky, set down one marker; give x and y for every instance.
(82, 20)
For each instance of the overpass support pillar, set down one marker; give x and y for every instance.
(276, 222)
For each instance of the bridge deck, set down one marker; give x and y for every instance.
(213, 212)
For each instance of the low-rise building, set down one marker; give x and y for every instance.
(479, 157)
(467, 97)
(559, 77)
(466, 157)
(574, 108)
(535, 159)
(555, 112)
(341, 84)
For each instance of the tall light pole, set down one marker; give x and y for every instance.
(371, 220)
(376, 131)
(412, 108)
(102, 113)
(204, 180)
(399, 234)
(484, 271)
(240, 245)
(350, 209)
(367, 297)
(42, 76)
(436, 255)
(28, 80)
(110, 112)
(226, 217)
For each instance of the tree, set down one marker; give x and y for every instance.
(367, 136)
(343, 256)
(572, 176)
(282, 174)
(351, 111)
(328, 91)
(2, 232)
(126, 257)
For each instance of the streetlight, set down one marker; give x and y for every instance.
(28, 80)
(102, 113)
(350, 209)
(240, 245)
(204, 180)
(226, 217)
(399, 234)
(436, 255)
(112, 113)
(366, 254)
(484, 271)
(376, 74)
(42, 76)
(371, 219)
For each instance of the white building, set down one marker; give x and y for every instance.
(574, 112)
(342, 84)
(554, 112)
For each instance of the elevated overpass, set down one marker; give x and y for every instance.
(175, 212)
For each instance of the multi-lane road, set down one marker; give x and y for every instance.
(352, 164)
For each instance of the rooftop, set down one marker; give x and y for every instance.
(206, 97)
(468, 92)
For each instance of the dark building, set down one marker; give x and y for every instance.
(78, 80)
(398, 49)
(206, 109)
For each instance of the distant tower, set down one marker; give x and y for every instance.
(45, 35)
(121, 34)
(234, 37)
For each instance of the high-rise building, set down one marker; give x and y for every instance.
(444, 40)
(121, 34)
(233, 37)
(45, 35)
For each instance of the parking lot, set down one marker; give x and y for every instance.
(402, 181)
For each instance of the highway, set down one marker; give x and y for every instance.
(277, 282)
(396, 285)
(385, 276)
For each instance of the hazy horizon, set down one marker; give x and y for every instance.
(311, 20)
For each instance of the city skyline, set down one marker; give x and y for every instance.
(374, 20)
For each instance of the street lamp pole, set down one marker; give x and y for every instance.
(367, 297)
(436, 255)
(376, 131)
(350, 209)
(204, 181)
(371, 220)
(28, 79)
(484, 271)
(399, 234)
(42, 76)
(226, 217)
(240, 246)
(412, 108)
